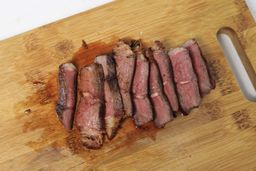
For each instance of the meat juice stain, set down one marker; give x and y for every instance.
(87, 52)
(126, 137)
(37, 111)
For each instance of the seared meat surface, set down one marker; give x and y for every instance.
(66, 104)
(185, 79)
(125, 66)
(200, 67)
(147, 84)
(113, 102)
(90, 109)
(143, 109)
(164, 66)
(162, 109)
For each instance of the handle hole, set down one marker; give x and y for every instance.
(238, 61)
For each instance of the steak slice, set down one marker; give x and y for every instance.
(66, 104)
(164, 66)
(125, 66)
(90, 109)
(143, 110)
(185, 79)
(200, 67)
(113, 101)
(162, 109)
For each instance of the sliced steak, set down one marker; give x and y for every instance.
(125, 66)
(164, 66)
(143, 109)
(114, 106)
(66, 104)
(185, 79)
(90, 109)
(162, 109)
(200, 67)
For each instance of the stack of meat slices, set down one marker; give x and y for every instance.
(148, 84)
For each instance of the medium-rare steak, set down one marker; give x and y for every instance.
(113, 102)
(66, 104)
(90, 109)
(164, 66)
(162, 109)
(200, 67)
(143, 111)
(125, 66)
(185, 79)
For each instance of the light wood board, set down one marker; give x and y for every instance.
(220, 135)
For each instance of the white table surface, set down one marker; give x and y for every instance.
(29, 14)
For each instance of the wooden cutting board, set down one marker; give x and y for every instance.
(219, 135)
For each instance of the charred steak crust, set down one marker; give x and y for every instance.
(65, 107)
(90, 108)
(143, 109)
(164, 65)
(185, 79)
(113, 101)
(162, 109)
(125, 66)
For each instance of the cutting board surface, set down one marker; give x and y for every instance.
(220, 134)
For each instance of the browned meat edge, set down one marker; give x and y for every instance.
(90, 109)
(143, 109)
(162, 109)
(164, 65)
(125, 66)
(114, 106)
(66, 104)
(185, 79)
(206, 82)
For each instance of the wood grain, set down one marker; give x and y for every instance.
(219, 135)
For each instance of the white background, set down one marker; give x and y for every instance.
(17, 16)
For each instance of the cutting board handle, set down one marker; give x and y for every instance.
(238, 61)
